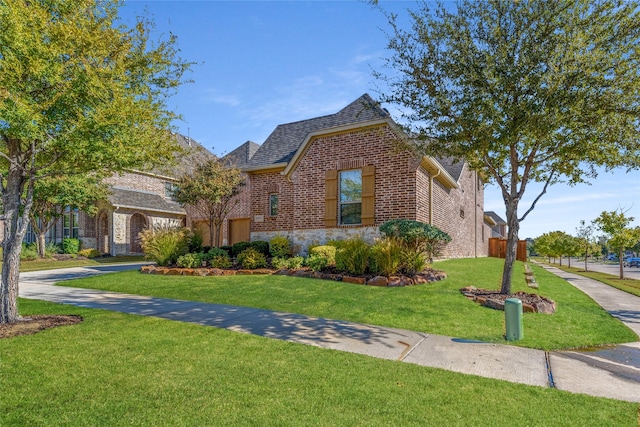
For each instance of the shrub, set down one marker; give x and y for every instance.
(190, 260)
(317, 262)
(353, 257)
(326, 252)
(417, 236)
(89, 253)
(195, 246)
(295, 262)
(239, 247)
(251, 259)
(261, 246)
(227, 249)
(214, 252)
(413, 262)
(336, 243)
(279, 247)
(279, 263)
(164, 245)
(29, 252)
(386, 256)
(70, 245)
(220, 261)
(52, 248)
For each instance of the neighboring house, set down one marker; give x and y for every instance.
(137, 200)
(343, 175)
(498, 230)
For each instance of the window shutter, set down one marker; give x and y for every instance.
(368, 195)
(331, 198)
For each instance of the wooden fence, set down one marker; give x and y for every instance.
(498, 249)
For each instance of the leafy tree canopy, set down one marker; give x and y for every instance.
(79, 93)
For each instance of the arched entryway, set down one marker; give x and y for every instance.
(103, 233)
(137, 223)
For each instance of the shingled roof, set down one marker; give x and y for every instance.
(241, 156)
(284, 141)
(136, 199)
(190, 154)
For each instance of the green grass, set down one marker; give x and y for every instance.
(49, 264)
(117, 369)
(631, 286)
(437, 308)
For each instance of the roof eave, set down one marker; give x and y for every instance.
(440, 173)
(183, 212)
(273, 167)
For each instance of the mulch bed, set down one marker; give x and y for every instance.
(32, 324)
(531, 303)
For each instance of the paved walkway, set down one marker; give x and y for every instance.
(613, 372)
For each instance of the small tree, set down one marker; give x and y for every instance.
(621, 237)
(585, 238)
(52, 195)
(211, 191)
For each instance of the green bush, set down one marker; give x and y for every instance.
(226, 249)
(165, 245)
(417, 236)
(89, 253)
(52, 248)
(413, 262)
(214, 252)
(327, 252)
(251, 259)
(220, 261)
(279, 263)
(70, 245)
(190, 260)
(317, 262)
(386, 257)
(239, 247)
(261, 246)
(195, 246)
(29, 252)
(295, 262)
(279, 247)
(336, 243)
(353, 256)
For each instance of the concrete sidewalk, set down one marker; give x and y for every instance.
(613, 373)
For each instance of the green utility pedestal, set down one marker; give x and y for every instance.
(513, 319)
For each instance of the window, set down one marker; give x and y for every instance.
(273, 204)
(169, 190)
(70, 223)
(350, 188)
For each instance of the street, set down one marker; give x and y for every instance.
(613, 269)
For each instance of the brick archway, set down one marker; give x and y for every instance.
(137, 223)
(103, 233)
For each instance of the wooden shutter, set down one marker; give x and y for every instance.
(331, 198)
(368, 195)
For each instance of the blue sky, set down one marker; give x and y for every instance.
(263, 63)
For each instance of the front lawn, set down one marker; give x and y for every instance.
(117, 369)
(437, 308)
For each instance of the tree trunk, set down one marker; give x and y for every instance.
(512, 246)
(14, 231)
(586, 257)
(620, 261)
(42, 244)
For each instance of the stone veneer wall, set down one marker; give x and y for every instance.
(301, 239)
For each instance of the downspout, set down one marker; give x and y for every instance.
(431, 196)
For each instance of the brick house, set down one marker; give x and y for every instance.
(137, 200)
(341, 175)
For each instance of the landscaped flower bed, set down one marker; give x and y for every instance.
(531, 303)
(426, 276)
